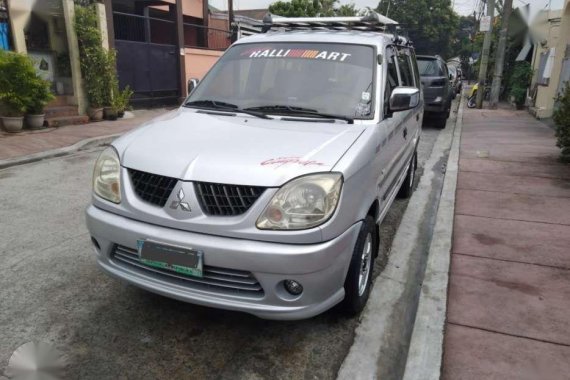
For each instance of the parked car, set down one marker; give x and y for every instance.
(460, 77)
(437, 88)
(264, 191)
(454, 79)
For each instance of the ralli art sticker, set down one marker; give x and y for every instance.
(297, 53)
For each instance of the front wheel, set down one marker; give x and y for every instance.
(359, 277)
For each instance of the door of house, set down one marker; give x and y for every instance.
(146, 56)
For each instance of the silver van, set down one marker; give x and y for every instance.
(263, 192)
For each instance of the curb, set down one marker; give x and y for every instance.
(83, 144)
(425, 354)
(380, 346)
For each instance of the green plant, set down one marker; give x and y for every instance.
(121, 98)
(562, 120)
(519, 81)
(40, 96)
(17, 80)
(98, 65)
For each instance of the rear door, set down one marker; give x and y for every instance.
(411, 121)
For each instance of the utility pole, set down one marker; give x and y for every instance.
(232, 28)
(500, 59)
(485, 55)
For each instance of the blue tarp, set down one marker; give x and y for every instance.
(4, 36)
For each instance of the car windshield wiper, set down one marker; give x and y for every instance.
(223, 106)
(291, 110)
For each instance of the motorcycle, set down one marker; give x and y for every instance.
(472, 98)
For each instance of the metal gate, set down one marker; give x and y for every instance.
(146, 57)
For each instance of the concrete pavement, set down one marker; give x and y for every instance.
(509, 288)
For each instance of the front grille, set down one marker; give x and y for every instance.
(226, 200)
(220, 280)
(152, 188)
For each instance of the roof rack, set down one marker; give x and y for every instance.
(373, 21)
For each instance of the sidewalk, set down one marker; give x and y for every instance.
(509, 286)
(14, 145)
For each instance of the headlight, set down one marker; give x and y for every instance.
(303, 203)
(107, 176)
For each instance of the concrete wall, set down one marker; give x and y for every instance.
(554, 28)
(199, 61)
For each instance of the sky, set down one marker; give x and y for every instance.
(463, 7)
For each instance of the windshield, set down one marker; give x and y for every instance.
(289, 78)
(430, 68)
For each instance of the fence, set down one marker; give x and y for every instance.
(199, 36)
(132, 27)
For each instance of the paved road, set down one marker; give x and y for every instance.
(52, 291)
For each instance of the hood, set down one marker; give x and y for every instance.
(196, 146)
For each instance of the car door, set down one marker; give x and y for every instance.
(389, 142)
(413, 120)
(409, 122)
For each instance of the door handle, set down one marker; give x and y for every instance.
(417, 117)
(405, 133)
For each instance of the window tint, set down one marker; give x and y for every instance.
(406, 72)
(391, 77)
(330, 78)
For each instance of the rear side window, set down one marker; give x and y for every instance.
(405, 66)
(430, 68)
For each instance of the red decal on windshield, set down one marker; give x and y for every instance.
(280, 161)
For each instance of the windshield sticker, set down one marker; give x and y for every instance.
(365, 97)
(297, 53)
(280, 161)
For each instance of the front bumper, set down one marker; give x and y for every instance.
(321, 268)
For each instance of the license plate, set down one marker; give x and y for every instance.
(177, 259)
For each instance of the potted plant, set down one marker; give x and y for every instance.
(17, 75)
(122, 100)
(93, 60)
(40, 96)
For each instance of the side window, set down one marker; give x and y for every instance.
(415, 68)
(392, 76)
(405, 65)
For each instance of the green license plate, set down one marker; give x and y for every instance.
(170, 257)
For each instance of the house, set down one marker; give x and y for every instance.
(550, 33)
(160, 44)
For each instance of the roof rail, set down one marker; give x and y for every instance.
(373, 21)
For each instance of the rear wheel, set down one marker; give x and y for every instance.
(359, 277)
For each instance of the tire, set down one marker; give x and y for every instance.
(407, 187)
(472, 101)
(358, 280)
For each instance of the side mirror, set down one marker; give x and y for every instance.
(404, 98)
(192, 83)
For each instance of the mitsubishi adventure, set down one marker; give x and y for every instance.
(263, 192)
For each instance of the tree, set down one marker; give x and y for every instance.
(429, 23)
(312, 8)
(562, 120)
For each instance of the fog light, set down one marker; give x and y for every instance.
(293, 287)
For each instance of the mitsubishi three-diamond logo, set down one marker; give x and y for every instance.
(184, 206)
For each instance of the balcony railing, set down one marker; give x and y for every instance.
(202, 37)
